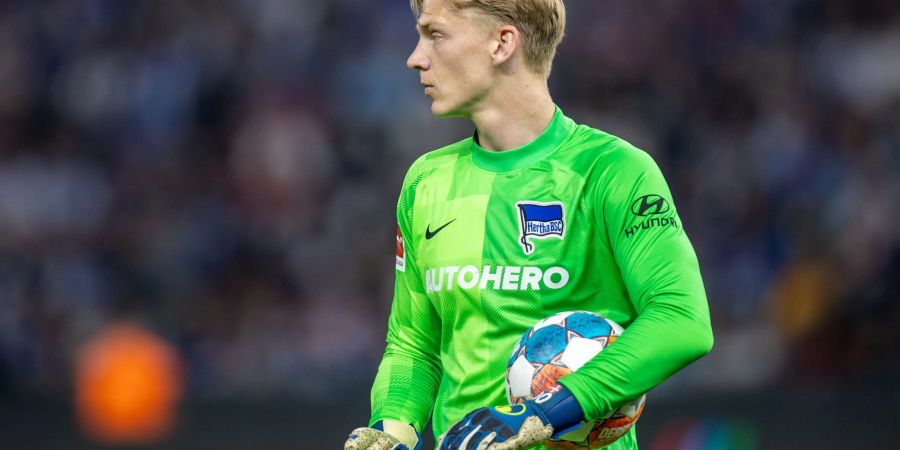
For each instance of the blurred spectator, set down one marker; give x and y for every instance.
(227, 172)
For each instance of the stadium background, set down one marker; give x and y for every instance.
(220, 177)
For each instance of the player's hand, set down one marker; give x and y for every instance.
(384, 435)
(515, 427)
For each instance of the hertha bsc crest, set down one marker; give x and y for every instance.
(539, 220)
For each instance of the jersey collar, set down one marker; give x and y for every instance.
(504, 161)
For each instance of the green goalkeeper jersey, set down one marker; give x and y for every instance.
(489, 243)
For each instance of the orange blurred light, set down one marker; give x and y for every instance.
(128, 384)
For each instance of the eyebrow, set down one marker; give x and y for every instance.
(425, 24)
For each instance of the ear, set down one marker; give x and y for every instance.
(505, 45)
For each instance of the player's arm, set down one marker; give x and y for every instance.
(409, 374)
(662, 277)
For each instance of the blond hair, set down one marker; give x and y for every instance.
(540, 22)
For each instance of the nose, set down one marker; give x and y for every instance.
(417, 59)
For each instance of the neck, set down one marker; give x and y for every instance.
(517, 115)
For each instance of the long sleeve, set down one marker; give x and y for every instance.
(410, 371)
(661, 274)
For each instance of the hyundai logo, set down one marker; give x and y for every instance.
(649, 205)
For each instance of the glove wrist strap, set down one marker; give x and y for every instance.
(560, 409)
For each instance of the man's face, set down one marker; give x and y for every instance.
(453, 58)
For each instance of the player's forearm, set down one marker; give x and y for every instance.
(667, 336)
(406, 386)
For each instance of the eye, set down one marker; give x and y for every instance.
(436, 35)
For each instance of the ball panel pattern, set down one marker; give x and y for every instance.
(519, 379)
(579, 351)
(588, 325)
(545, 378)
(556, 319)
(546, 345)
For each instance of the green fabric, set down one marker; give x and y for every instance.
(465, 296)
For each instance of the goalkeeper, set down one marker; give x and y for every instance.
(532, 215)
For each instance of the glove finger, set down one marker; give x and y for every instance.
(384, 442)
(532, 433)
(454, 439)
(483, 445)
(359, 439)
(370, 439)
(470, 441)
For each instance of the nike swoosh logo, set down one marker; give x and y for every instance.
(430, 234)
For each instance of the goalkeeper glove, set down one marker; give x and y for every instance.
(384, 435)
(516, 427)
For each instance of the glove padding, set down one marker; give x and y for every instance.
(515, 427)
(384, 435)
(372, 439)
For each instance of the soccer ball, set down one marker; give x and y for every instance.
(559, 345)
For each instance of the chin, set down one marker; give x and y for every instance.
(442, 111)
(438, 110)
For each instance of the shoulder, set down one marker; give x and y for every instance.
(436, 160)
(602, 153)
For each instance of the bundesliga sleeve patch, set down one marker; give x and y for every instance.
(401, 251)
(540, 221)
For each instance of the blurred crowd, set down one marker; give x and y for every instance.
(225, 173)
